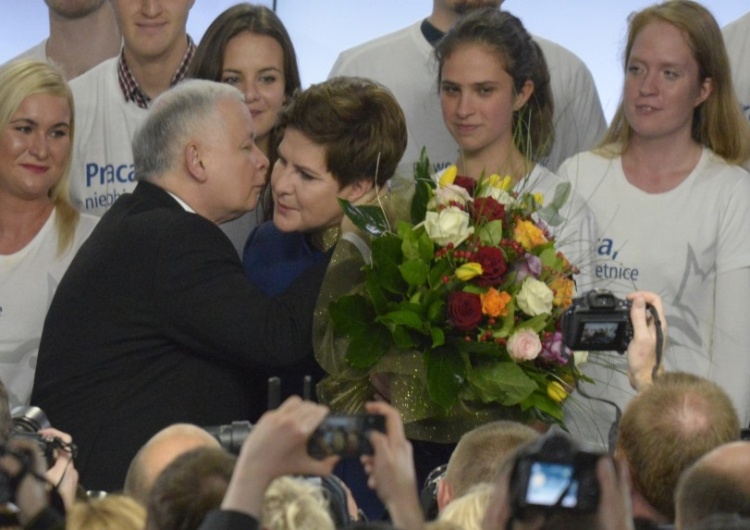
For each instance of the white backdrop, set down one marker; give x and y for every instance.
(592, 29)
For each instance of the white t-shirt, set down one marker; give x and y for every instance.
(403, 62)
(737, 40)
(102, 167)
(38, 52)
(28, 280)
(691, 246)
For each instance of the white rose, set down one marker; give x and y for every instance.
(447, 194)
(580, 357)
(499, 194)
(535, 298)
(450, 225)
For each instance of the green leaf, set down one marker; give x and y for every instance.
(365, 351)
(352, 315)
(426, 246)
(414, 272)
(482, 348)
(387, 255)
(491, 233)
(403, 338)
(376, 293)
(369, 219)
(504, 382)
(548, 257)
(438, 337)
(543, 403)
(550, 213)
(442, 268)
(537, 323)
(446, 374)
(423, 186)
(409, 319)
(436, 312)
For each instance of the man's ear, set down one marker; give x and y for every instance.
(354, 191)
(194, 164)
(444, 494)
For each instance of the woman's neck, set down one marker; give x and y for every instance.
(508, 162)
(20, 222)
(657, 166)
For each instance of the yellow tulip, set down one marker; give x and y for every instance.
(448, 176)
(556, 392)
(467, 271)
(504, 183)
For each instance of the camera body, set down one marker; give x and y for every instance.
(344, 435)
(26, 422)
(553, 474)
(597, 321)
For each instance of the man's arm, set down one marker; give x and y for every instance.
(209, 305)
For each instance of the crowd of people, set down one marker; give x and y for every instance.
(172, 236)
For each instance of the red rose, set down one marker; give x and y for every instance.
(464, 310)
(493, 265)
(487, 209)
(466, 183)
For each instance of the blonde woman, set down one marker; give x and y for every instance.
(40, 231)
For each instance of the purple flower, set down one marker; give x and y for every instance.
(553, 349)
(530, 265)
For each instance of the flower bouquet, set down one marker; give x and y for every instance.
(475, 286)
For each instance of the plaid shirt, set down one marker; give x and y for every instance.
(129, 86)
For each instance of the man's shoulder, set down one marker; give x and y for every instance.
(356, 57)
(737, 30)
(38, 52)
(104, 72)
(558, 55)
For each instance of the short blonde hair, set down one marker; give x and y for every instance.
(468, 510)
(293, 504)
(113, 512)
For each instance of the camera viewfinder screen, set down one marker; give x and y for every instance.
(598, 333)
(548, 482)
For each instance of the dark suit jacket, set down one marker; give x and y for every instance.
(155, 323)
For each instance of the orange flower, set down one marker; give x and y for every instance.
(528, 235)
(494, 303)
(563, 289)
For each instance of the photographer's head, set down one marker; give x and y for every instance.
(479, 457)
(551, 484)
(666, 428)
(193, 484)
(718, 483)
(157, 453)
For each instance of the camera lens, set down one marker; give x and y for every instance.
(29, 419)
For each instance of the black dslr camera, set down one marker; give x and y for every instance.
(27, 421)
(344, 435)
(552, 475)
(598, 321)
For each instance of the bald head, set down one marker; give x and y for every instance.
(719, 482)
(159, 452)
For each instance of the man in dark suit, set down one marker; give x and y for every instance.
(154, 323)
